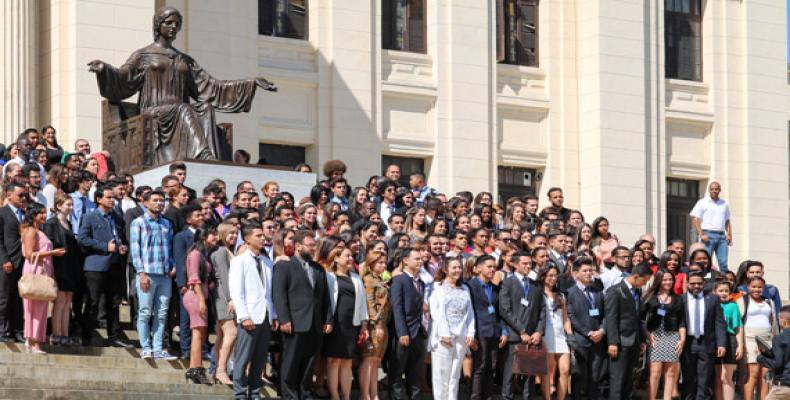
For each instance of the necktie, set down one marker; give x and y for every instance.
(259, 267)
(19, 215)
(84, 200)
(526, 287)
(309, 274)
(489, 293)
(589, 297)
(697, 318)
(635, 294)
(418, 286)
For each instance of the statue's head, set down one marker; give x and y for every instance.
(167, 22)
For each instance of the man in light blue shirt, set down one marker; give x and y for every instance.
(82, 203)
(151, 238)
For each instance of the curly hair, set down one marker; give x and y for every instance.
(332, 166)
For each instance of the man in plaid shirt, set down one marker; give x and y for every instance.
(151, 238)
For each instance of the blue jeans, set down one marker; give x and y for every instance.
(717, 243)
(156, 300)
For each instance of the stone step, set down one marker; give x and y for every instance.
(66, 393)
(57, 388)
(43, 372)
(77, 361)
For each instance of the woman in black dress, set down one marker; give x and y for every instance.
(68, 268)
(350, 308)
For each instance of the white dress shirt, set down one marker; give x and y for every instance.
(251, 292)
(713, 215)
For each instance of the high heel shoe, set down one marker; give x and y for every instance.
(222, 378)
(197, 375)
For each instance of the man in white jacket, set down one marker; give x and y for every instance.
(250, 284)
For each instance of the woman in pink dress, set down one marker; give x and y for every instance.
(199, 277)
(38, 252)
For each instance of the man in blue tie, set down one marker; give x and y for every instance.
(521, 307)
(625, 333)
(705, 339)
(102, 237)
(12, 261)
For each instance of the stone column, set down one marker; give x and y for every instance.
(18, 69)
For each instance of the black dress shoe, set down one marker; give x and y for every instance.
(19, 338)
(6, 339)
(117, 342)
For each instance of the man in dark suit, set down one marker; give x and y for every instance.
(706, 338)
(407, 331)
(490, 333)
(521, 307)
(182, 241)
(557, 250)
(101, 237)
(12, 261)
(301, 298)
(625, 331)
(586, 313)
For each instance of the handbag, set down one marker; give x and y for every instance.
(530, 360)
(37, 286)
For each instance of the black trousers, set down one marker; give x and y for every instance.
(296, 366)
(590, 363)
(408, 360)
(507, 377)
(621, 372)
(110, 285)
(484, 362)
(696, 365)
(250, 348)
(11, 313)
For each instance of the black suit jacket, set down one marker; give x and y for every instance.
(10, 239)
(518, 318)
(715, 328)
(486, 325)
(623, 324)
(579, 313)
(406, 306)
(296, 301)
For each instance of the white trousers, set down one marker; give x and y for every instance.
(446, 364)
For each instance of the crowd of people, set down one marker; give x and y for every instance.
(433, 288)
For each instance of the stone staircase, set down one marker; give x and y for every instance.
(96, 373)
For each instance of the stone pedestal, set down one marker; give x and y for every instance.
(200, 173)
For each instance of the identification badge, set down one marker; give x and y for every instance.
(662, 312)
(525, 302)
(594, 312)
(707, 276)
(532, 275)
(491, 310)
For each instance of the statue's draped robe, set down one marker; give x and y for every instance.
(166, 80)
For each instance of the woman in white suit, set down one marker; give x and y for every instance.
(452, 328)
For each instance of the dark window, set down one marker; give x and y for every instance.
(283, 18)
(517, 33)
(682, 194)
(403, 25)
(515, 182)
(683, 39)
(408, 166)
(280, 154)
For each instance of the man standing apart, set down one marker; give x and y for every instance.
(151, 243)
(250, 284)
(711, 217)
